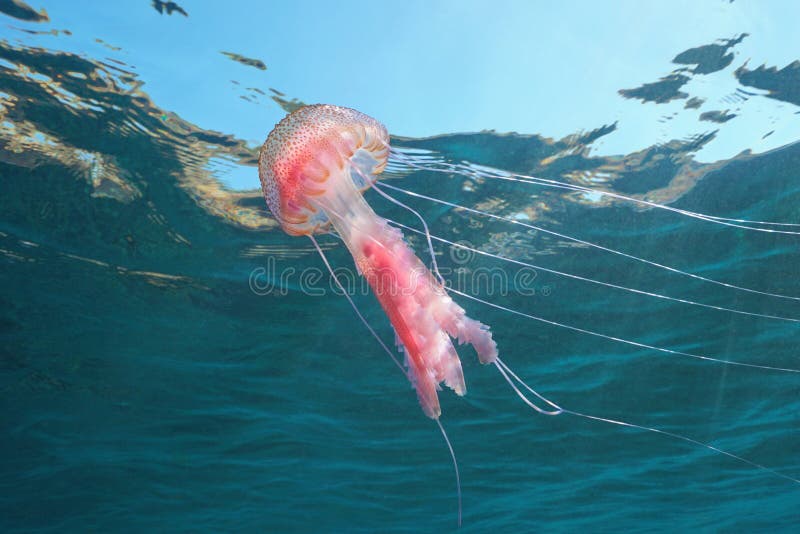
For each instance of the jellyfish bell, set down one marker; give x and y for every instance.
(312, 153)
(313, 168)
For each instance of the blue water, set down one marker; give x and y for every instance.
(147, 386)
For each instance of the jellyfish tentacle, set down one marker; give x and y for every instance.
(557, 408)
(388, 197)
(355, 308)
(455, 466)
(424, 225)
(504, 371)
(471, 172)
(560, 410)
(598, 282)
(687, 439)
(590, 244)
(623, 340)
(399, 365)
(724, 221)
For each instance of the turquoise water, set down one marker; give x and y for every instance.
(164, 367)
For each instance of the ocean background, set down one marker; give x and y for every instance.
(163, 366)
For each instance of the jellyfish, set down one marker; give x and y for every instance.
(313, 168)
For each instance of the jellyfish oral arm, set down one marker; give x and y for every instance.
(422, 313)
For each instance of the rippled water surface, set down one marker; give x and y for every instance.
(165, 367)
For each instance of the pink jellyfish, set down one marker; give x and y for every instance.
(313, 167)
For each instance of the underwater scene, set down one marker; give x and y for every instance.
(597, 204)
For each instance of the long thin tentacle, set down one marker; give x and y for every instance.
(589, 244)
(622, 340)
(505, 372)
(426, 232)
(503, 368)
(593, 281)
(378, 190)
(355, 308)
(399, 365)
(455, 467)
(471, 171)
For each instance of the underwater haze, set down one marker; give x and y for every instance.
(612, 187)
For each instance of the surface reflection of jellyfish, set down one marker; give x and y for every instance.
(313, 168)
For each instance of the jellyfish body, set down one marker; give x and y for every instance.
(313, 168)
